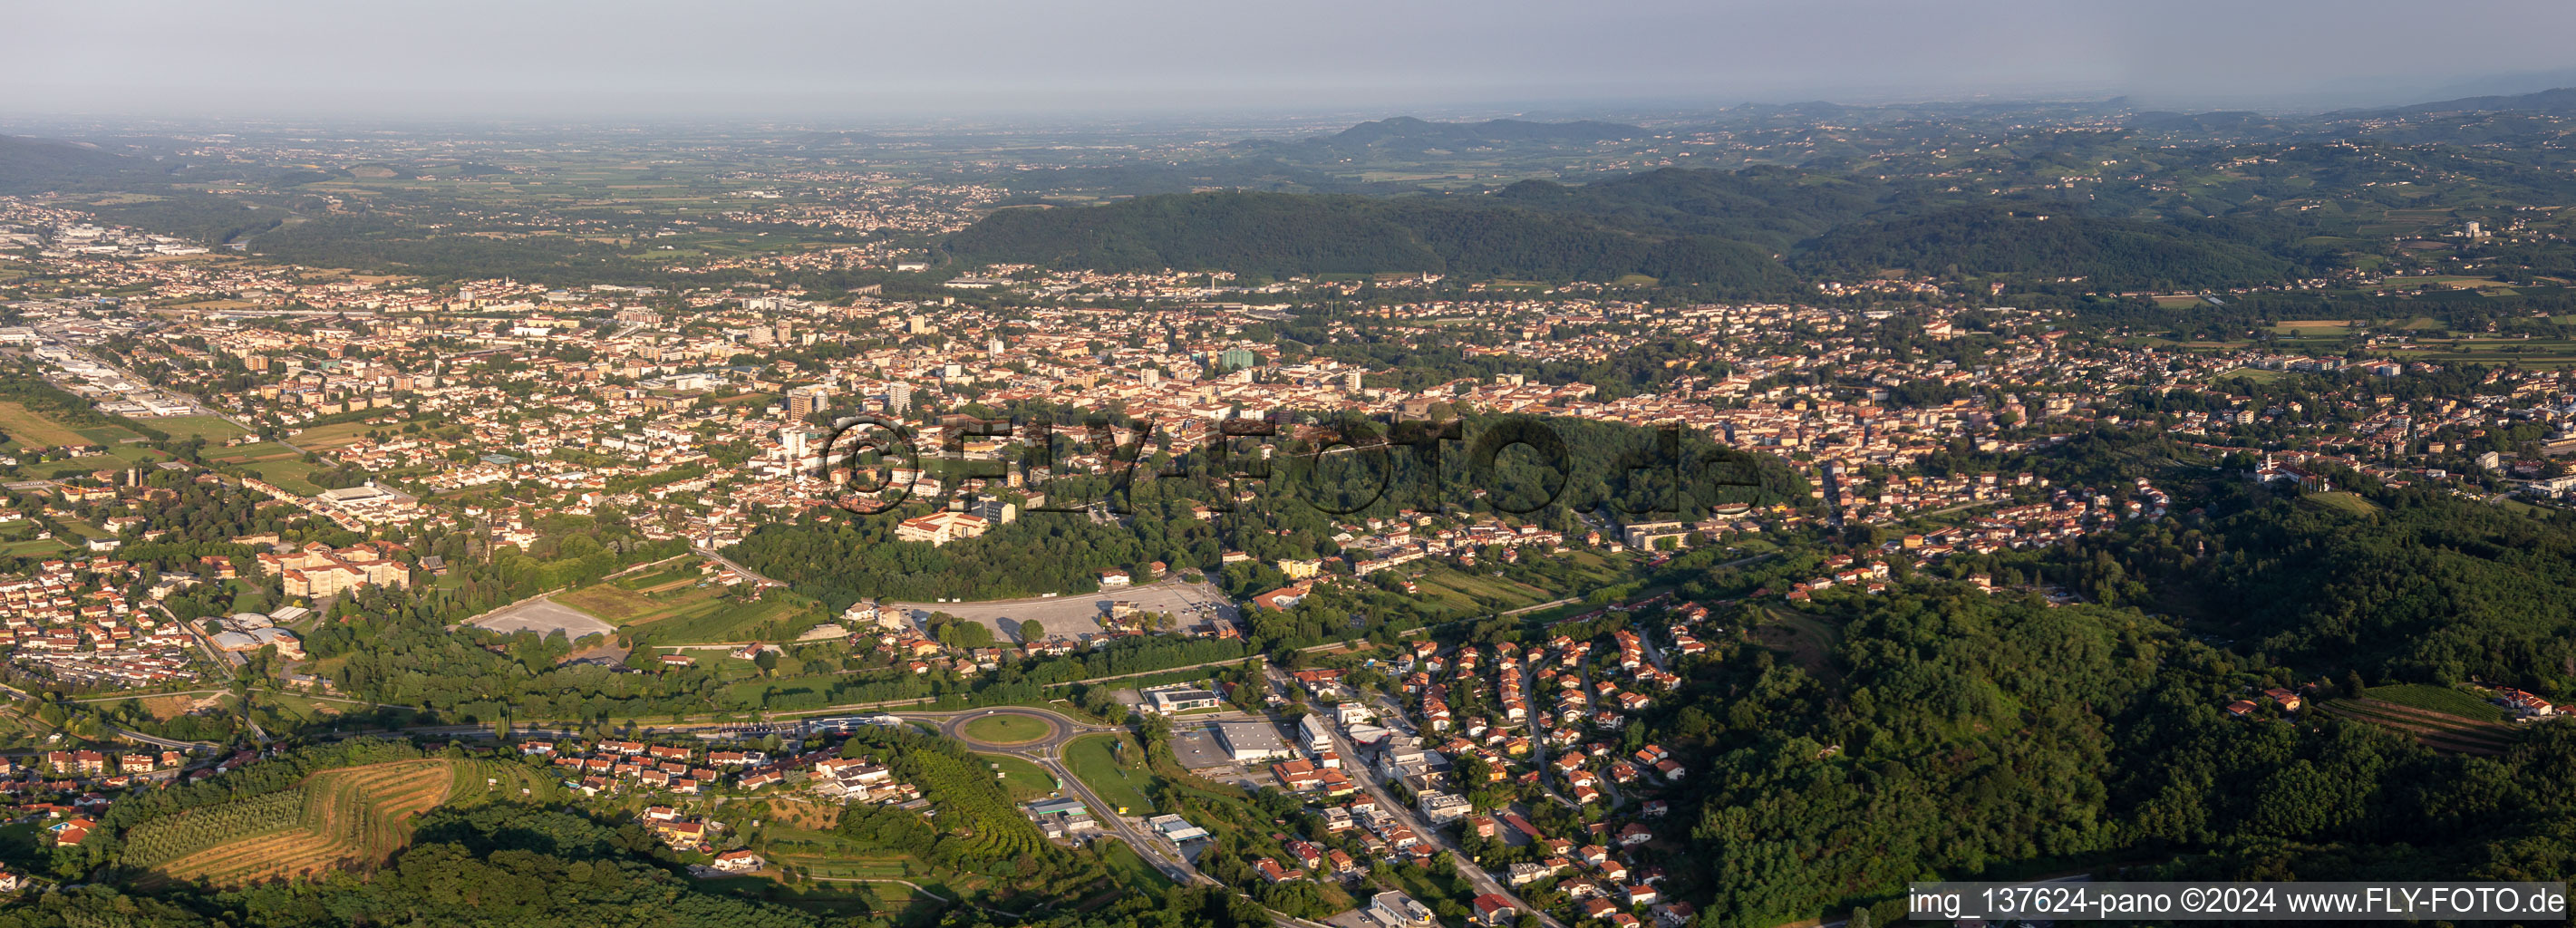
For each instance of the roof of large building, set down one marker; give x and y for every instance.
(1242, 737)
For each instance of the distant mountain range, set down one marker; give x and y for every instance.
(1407, 135)
(2560, 100)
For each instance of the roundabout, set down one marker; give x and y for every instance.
(1007, 728)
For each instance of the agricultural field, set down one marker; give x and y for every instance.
(335, 818)
(1119, 777)
(2439, 730)
(2438, 699)
(1475, 592)
(826, 854)
(679, 611)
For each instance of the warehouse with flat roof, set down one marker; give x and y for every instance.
(1251, 741)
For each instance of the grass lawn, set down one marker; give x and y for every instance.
(1130, 868)
(34, 547)
(2346, 501)
(213, 429)
(1117, 776)
(1006, 729)
(290, 474)
(1809, 640)
(1021, 778)
(255, 451)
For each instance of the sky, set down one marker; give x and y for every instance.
(863, 59)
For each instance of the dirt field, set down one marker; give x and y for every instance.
(1071, 615)
(544, 617)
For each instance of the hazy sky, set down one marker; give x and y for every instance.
(811, 58)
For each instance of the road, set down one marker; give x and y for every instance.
(1046, 753)
(1537, 728)
(115, 732)
(195, 405)
(710, 554)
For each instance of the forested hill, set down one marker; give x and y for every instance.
(31, 165)
(1284, 234)
(2116, 254)
(1774, 207)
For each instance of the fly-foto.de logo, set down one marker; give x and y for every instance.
(1510, 464)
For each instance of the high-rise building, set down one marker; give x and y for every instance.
(899, 398)
(805, 400)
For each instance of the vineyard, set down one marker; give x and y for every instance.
(486, 781)
(336, 817)
(973, 808)
(155, 843)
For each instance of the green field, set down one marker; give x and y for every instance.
(1132, 869)
(1021, 778)
(255, 451)
(289, 474)
(1118, 778)
(1006, 729)
(28, 428)
(214, 429)
(2345, 501)
(2441, 699)
(677, 610)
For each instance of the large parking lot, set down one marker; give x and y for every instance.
(1066, 616)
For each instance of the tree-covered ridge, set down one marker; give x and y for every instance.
(1774, 207)
(1971, 736)
(31, 165)
(2425, 586)
(500, 865)
(2053, 240)
(1281, 235)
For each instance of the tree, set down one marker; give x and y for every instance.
(1032, 631)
